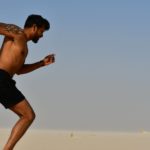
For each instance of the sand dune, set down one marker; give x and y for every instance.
(75, 140)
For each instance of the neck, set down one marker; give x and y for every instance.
(27, 35)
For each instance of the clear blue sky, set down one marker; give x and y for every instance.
(101, 78)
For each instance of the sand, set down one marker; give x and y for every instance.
(79, 140)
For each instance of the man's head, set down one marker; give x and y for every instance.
(38, 25)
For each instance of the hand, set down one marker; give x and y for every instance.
(49, 59)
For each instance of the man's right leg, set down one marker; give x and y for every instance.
(27, 115)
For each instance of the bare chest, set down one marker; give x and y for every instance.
(15, 48)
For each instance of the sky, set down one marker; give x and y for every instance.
(101, 78)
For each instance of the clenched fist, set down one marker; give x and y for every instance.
(49, 59)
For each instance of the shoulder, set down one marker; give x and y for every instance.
(11, 30)
(16, 30)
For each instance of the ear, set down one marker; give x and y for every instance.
(34, 27)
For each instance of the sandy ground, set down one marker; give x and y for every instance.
(75, 140)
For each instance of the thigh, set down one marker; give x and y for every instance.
(9, 93)
(22, 108)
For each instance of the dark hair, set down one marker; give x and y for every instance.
(38, 20)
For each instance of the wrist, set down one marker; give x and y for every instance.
(42, 63)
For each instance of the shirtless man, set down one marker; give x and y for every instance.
(13, 53)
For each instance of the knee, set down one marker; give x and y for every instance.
(30, 116)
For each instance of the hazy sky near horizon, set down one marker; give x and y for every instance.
(101, 78)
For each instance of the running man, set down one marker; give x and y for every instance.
(13, 54)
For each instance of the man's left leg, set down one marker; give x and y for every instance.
(26, 115)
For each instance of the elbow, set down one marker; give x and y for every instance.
(18, 72)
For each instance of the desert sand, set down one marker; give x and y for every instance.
(79, 140)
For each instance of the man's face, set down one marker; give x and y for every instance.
(38, 34)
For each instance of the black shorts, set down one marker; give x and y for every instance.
(9, 94)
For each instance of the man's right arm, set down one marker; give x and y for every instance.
(10, 30)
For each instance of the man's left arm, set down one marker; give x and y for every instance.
(26, 68)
